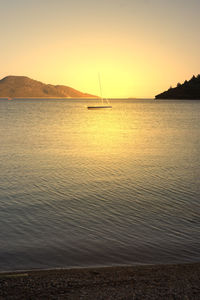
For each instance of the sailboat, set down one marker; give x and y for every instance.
(103, 104)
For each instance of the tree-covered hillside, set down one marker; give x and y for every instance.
(187, 90)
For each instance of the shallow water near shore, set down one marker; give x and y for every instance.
(98, 188)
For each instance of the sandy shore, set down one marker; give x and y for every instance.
(134, 282)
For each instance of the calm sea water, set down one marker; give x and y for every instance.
(93, 188)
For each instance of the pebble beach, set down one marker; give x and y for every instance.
(125, 282)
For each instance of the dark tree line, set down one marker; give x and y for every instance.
(190, 89)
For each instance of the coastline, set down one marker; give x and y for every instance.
(177, 281)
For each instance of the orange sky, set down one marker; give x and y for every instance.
(140, 47)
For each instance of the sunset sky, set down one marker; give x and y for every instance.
(140, 47)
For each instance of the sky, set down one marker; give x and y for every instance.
(139, 47)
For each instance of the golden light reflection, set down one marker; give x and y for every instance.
(107, 132)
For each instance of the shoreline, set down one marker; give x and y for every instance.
(173, 281)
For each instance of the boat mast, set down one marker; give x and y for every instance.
(100, 88)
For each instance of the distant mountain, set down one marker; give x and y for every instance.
(188, 90)
(22, 86)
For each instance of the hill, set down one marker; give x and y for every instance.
(188, 90)
(22, 86)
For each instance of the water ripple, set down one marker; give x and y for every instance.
(81, 189)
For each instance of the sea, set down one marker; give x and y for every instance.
(85, 188)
